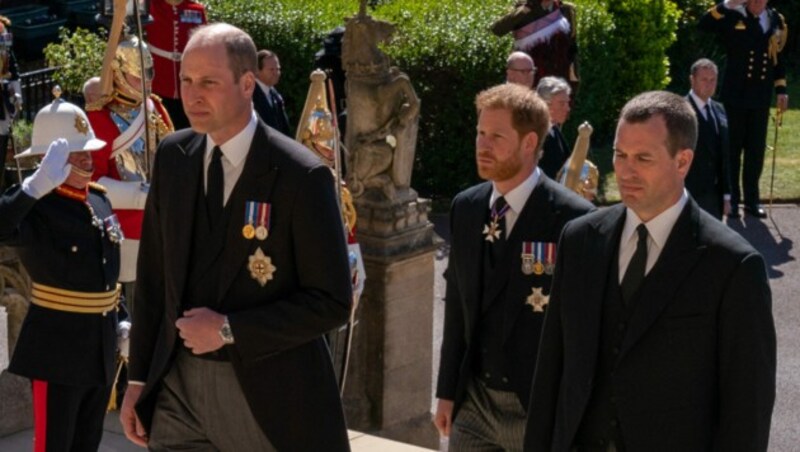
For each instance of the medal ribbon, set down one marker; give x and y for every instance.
(264, 215)
(551, 253)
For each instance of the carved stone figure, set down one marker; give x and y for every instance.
(382, 113)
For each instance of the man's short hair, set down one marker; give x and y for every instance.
(517, 56)
(550, 86)
(264, 55)
(678, 116)
(529, 113)
(238, 44)
(703, 63)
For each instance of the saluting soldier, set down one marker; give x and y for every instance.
(754, 36)
(68, 239)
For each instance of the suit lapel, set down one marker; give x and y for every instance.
(679, 256)
(180, 211)
(473, 260)
(255, 184)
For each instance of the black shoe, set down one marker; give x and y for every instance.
(756, 211)
(734, 213)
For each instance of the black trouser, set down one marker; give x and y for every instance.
(68, 418)
(748, 133)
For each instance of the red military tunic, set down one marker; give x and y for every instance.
(167, 36)
(105, 165)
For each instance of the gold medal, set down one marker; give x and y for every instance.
(248, 231)
(262, 232)
(538, 268)
(260, 266)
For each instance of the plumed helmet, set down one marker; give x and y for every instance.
(127, 61)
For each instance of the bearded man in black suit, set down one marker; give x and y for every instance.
(659, 335)
(502, 255)
(242, 268)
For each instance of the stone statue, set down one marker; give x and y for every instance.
(382, 113)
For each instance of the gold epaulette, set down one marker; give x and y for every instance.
(715, 13)
(780, 83)
(98, 187)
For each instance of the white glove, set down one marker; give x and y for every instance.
(123, 338)
(52, 172)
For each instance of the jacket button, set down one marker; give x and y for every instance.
(108, 287)
(505, 379)
(104, 260)
(487, 375)
(74, 248)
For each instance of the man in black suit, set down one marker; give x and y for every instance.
(242, 267)
(754, 37)
(498, 279)
(555, 91)
(708, 180)
(679, 353)
(267, 101)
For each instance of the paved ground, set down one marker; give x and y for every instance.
(776, 242)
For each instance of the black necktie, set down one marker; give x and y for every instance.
(215, 187)
(710, 117)
(634, 275)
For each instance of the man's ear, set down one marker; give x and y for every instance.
(248, 82)
(684, 158)
(530, 142)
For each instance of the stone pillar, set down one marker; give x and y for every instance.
(388, 389)
(15, 392)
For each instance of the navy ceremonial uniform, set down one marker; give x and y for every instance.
(755, 66)
(67, 343)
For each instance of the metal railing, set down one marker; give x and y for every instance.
(36, 91)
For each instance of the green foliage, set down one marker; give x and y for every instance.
(78, 56)
(21, 132)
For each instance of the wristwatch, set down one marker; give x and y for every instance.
(226, 333)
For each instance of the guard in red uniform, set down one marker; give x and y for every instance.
(167, 36)
(122, 165)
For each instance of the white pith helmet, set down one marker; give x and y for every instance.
(62, 119)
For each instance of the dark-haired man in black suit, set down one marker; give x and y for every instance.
(243, 268)
(267, 101)
(708, 180)
(502, 254)
(659, 335)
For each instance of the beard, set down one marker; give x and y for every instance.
(500, 171)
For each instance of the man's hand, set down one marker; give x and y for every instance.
(199, 329)
(443, 420)
(123, 338)
(52, 172)
(782, 102)
(726, 207)
(131, 425)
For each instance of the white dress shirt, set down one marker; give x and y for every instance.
(234, 152)
(658, 230)
(516, 199)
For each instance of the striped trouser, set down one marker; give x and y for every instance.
(489, 420)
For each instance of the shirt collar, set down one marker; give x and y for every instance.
(659, 227)
(697, 101)
(263, 86)
(235, 149)
(517, 197)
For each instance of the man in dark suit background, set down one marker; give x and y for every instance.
(243, 267)
(659, 335)
(708, 180)
(267, 101)
(555, 91)
(753, 36)
(498, 278)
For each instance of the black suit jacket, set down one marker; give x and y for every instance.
(548, 208)
(281, 361)
(555, 152)
(709, 177)
(696, 371)
(270, 108)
